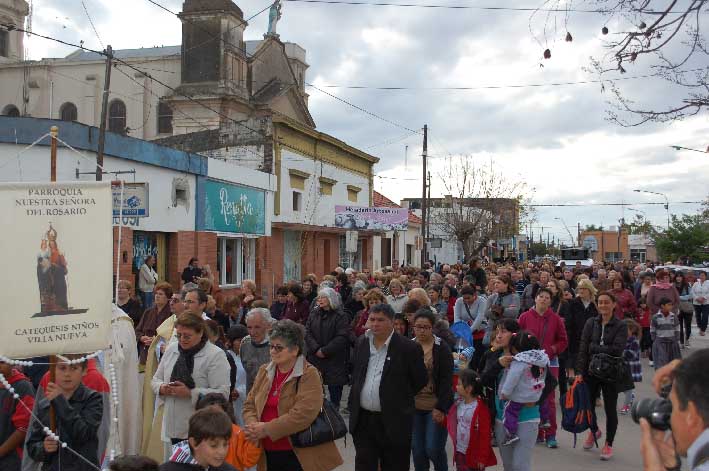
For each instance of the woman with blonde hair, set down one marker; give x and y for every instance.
(397, 297)
(420, 295)
(581, 309)
(127, 301)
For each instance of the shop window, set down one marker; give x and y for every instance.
(236, 260)
(117, 117)
(349, 259)
(297, 200)
(68, 112)
(164, 118)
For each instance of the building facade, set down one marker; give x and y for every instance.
(607, 246)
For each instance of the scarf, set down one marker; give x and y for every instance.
(182, 371)
(662, 285)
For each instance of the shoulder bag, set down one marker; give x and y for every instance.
(328, 426)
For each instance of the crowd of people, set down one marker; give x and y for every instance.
(474, 353)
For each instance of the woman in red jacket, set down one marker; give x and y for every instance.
(549, 328)
(625, 306)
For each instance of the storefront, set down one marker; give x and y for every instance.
(237, 214)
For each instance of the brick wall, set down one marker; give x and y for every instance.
(269, 262)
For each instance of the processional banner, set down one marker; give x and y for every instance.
(57, 282)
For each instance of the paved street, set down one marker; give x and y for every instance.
(627, 443)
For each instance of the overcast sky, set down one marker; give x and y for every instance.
(556, 138)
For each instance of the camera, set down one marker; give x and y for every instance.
(656, 411)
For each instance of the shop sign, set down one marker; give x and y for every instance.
(135, 200)
(378, 219)
(232, 208)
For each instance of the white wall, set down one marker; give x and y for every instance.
(34, 165)
(81, 83)
(317, 209)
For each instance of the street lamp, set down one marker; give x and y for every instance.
(667, 202)
(688, 148)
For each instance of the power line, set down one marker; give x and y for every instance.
(91, 22)
(607, 204)
(498, 87)
(472, 7)
(359, 108)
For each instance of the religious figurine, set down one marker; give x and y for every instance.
(274, 15)
(51, 274)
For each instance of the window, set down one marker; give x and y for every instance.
(68, 112)
(352, 192)
(297, 201)
(638, 255)
(614, 256)
(11, 111)
(4, 44)
(236, 260)
(326, 185)
(117, 117)
(164, 118)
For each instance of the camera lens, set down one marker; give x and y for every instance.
(656, 411)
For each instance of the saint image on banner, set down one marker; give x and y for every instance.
(52, 271)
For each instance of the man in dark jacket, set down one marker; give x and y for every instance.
(388, 372)
(479, 277)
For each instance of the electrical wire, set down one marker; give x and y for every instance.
(473, 7)
(91, 22)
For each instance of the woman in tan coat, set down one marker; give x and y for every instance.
(285, 399)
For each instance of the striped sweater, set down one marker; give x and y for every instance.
(664, 326)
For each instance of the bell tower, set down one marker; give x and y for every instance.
(12, 12)
(213, 57)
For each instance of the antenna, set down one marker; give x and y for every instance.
(406, 157)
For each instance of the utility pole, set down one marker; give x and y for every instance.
(578, 234)
(428, 209)
(53, 131)
(104, 111)
(424, 202)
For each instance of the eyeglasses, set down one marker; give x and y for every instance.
(277, 348)
(423, 327)
(175, 300)
(186, 337)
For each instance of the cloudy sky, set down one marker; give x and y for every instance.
(555, 138)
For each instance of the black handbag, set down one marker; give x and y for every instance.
(607, 368)
(328, 426)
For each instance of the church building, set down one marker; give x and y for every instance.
(241, 105)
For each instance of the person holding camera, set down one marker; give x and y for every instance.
(686, 413)
(603, 339)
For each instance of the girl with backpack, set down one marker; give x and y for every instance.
(469, 425)
(523, 383)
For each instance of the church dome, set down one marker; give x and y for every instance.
(201, 6)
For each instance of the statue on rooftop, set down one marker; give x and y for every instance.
(274, 15)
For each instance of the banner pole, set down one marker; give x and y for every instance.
(53, 131)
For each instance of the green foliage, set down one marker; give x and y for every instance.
(688, 236)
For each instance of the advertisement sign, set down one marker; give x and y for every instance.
(59, 290)
(135, 200)
(377, 219)
(232, 208)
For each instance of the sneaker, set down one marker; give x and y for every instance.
(552, 443)
(651, 363)
(606, 452)
(590, 441)
(545, 425)
(624, 410)
(686, 344)
(510, 440)
(540, 440)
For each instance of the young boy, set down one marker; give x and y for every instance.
(14, 418)
(78, 412)
(207, 446)
(664, 329)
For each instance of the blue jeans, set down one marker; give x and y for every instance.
(428, 443)
(335, 394)
(146, 298)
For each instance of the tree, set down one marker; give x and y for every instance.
(639, 225)
(482, 205)
(687, 237)
(662, 36)
(593, 227)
